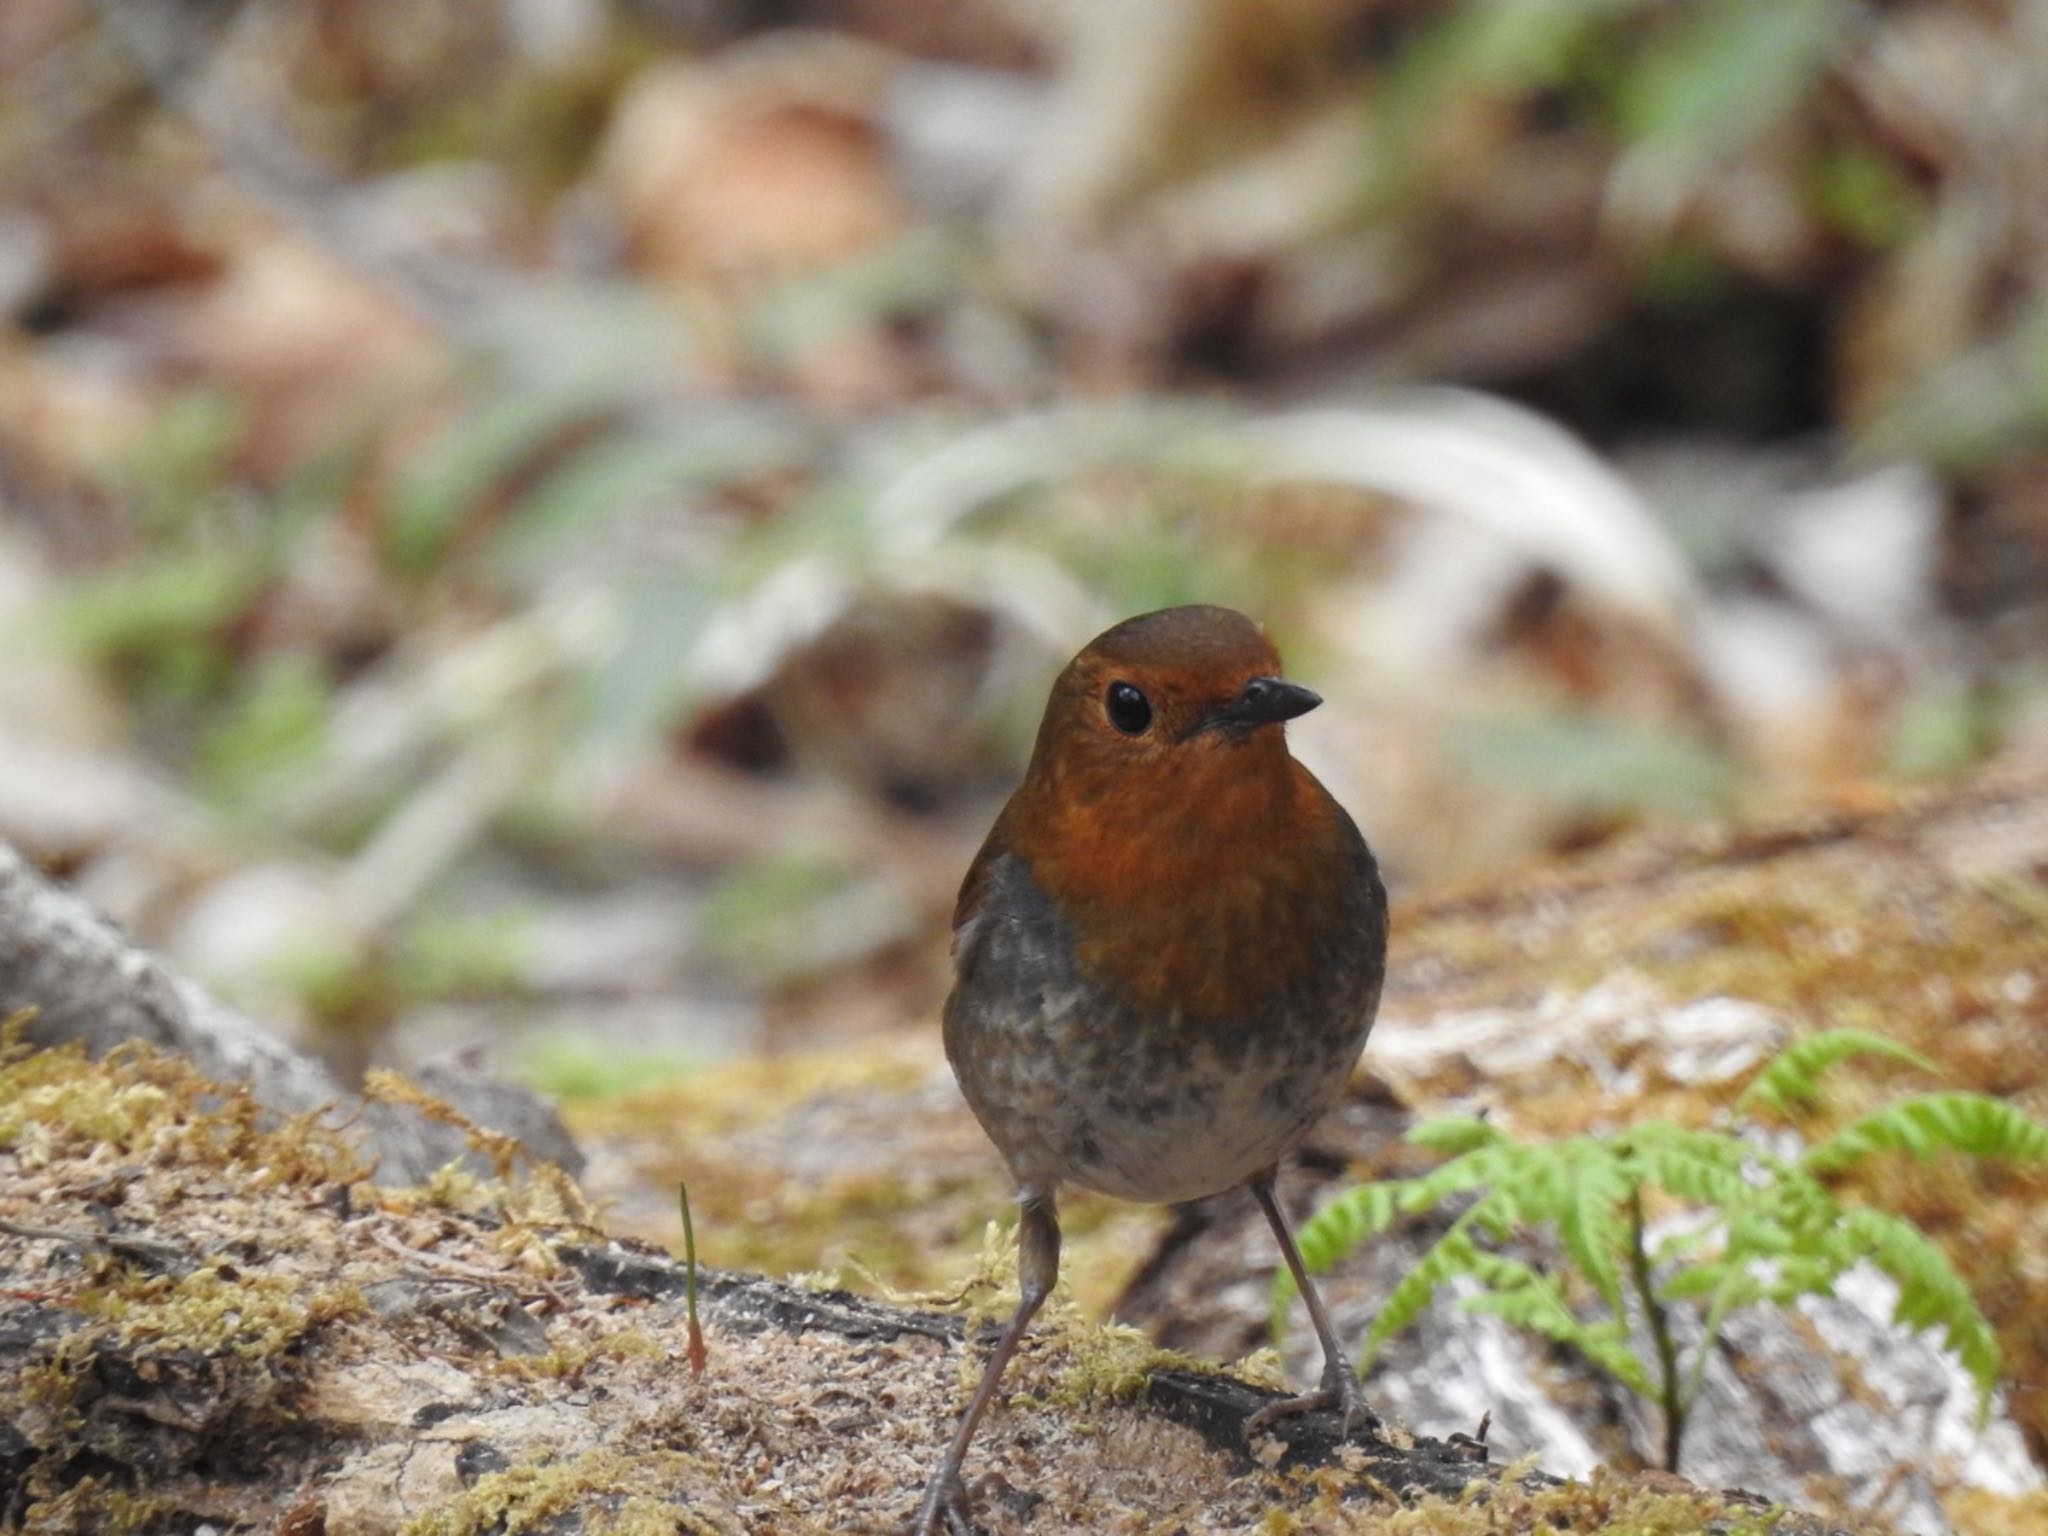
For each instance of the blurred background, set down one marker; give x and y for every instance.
(548, 522)
(542, 527)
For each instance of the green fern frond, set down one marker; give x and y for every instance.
(1756, 1233)
(1793, 1076)
(1477, 1169)
(1505, 1272)
(1931, 1294)
(1452, 1254)
(1767, 1230)
(1604, 1343)
(1454, 1135)
(1528, 1298)
(1795, 1205)
(1503, 1211)
(1689, 1246)
(1734, 1282)
(1971, 1123)
(1343, 1223)
(1794, 1275)
(1591, 1226)
(1539, 1183)
(1699, 1166)
(1537, 1177)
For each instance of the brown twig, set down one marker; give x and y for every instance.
(502, 1279)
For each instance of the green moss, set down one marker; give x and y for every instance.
(1605, 1504)
(91, 1507)
(453, 1187)
(142, 1103)
(570, 1361)
(1112, 1364)
(215, 1310)
(42, 1399)
(524, 1194)
(156, 1111)
(525, 1497)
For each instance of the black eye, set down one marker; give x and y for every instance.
(1129, 710)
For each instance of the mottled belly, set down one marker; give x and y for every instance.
(1081, 1106)
(1210, 1131)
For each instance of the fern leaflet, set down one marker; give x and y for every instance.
(1452, 1254)
(1793, 1076)
(1456, 1134)
(1931, 1293)
(1971, 1123)
(1591, 1225)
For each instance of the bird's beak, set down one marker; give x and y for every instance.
(1263, 701)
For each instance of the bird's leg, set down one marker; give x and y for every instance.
(1340, 1389)
(1038, 1266)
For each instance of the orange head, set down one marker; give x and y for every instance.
(1165, 818)
(1179, 694)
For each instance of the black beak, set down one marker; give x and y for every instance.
(1263, 701)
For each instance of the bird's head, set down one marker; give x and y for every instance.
(1168, 695)
(1192, 857)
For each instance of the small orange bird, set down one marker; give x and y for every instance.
(1167, 957)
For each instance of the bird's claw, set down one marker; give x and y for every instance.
(944, 1510)
(1340, 1390)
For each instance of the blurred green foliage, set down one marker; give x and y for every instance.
(1945, 727)
(273, 725)
(353, 989)
(575, 1065)
(788, 918)
(162, 622)
(1594, 765)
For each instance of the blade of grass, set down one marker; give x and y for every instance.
(697, 1353)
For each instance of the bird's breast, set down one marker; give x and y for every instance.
(1168, 1079)
(1238, 900)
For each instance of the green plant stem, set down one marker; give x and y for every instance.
(1717, 1314)
(1669, 1392)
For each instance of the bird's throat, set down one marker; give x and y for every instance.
(1188, 891)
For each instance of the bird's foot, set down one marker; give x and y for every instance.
(944, 1510)
(1340, 1390)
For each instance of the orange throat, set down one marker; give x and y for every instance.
(1190, 891)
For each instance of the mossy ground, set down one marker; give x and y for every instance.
(178, 1238)
(146, 1105)
(298, 1350)
(630, 1492)
(179, 1265)
(861, 1165)
(1606, 1503)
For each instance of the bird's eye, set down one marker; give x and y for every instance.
(1129, 710)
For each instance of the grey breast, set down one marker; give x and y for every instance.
(1018, 1016)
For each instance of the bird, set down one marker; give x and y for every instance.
(1167, 956)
